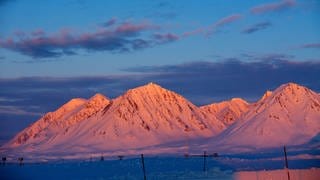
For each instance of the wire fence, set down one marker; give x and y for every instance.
(188, 166)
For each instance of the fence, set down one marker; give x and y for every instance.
(188, 166)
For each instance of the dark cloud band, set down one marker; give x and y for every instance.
(257, 27)
(200, 82)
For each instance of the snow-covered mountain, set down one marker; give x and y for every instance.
(156, 120)
(227, 111)
(144, 116)
(288, 116)
(54, 123)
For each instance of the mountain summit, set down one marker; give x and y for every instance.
(100, 124)
(288, 116)
(227, 111)
(148, 117)
(53, 123)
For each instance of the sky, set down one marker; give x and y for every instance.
(207, 51)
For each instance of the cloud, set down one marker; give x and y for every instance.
(162, 4)
(19, 34)
(165, 38)
(163, 15)
(123, 37)
(110, 22)
(256, 27)
(246, 79)
(273, 7)
(16, 111)
(4, 2)
(273, 57)
(209, 30)
(311, 46)
(227, 20)
(234, 78)
(38, 32)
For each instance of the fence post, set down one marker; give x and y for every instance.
(204, 160)
(286, 161)
(20, 159)
(143, 168)
(4, 160)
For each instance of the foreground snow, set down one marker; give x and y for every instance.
(236, 166)
(295, 174)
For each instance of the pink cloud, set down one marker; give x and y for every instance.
(167, 37)
(227, 20)
(194, 32)
(128, 27)
(210, 29)
(272, 7)
(126, 36)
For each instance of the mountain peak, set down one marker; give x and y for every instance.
(238, 100)
(290, 86)
(150, 85)
(149, 89)
(293, 90)
(267, 94)
(227, 111)
(98, 96)
(75, 102)
(290, 115)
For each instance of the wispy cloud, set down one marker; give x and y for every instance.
(311, 46)
(227, 20)
(274, 57)
(209, 30)
(16, 111)
(165, 38)
(256, 27)
(38, 32)
(163, 15)
(273, 7)
(110, 22)
(114, 37)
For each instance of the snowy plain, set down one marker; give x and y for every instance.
(262, 165)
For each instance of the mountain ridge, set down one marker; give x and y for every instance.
(100, 124)
(288, 116)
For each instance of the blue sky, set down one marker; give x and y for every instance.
(288, 27)
(208, 51)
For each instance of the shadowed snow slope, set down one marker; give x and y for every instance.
(288, 116)
(144, 116)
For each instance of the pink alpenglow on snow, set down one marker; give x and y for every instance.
(227, 111)
(288, 116)
(145, 116)
(151, 119)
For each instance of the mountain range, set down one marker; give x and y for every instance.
(148, 116)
